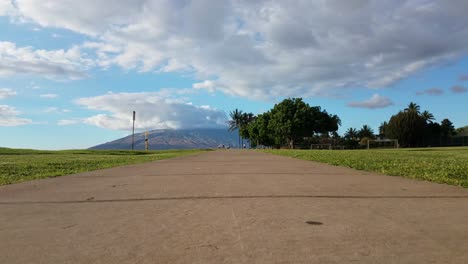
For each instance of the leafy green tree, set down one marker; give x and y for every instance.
(259, 131)
(289, 121)
(329, 124)
(235, 122)
(414, 128)
(406, 126)
(433, 134)
(446, 128)
(293, 120)
(462, 131)
(382, 128)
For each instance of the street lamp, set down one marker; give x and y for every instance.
(133, 131)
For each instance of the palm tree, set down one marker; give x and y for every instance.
(351, 133)
(336, 120)
(366, 131)
(427, 116)
(413, 107)
(235, 122)
(246, 119)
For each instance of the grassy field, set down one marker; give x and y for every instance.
(442, 165)
(18, 165)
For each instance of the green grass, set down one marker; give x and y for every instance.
(442, 165)
(18, 165)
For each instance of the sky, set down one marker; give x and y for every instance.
(72, 72)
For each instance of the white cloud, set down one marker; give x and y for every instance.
(67, 122)
(51, 109)
(9, 116)
(53, 64)
(49, 96)
(154, 110)
(33, 86)
(208, 85)
(80, 16)
(266, 48)
(6, 8)
(6, 92)
(376, 101)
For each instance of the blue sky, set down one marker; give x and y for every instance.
(71, 73)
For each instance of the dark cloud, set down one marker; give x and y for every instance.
(459, 89)
(431, 91)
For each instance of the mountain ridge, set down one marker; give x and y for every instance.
(162, 139)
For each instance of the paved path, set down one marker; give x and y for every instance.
(232, 207)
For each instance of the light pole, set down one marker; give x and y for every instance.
(146, 141)
(133, 131)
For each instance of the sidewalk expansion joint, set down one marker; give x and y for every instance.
(236, 197)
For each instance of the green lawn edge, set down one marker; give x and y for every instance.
(20, 165)
(440, 165)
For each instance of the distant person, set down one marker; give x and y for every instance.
(243, 146)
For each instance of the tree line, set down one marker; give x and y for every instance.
(411, 127)
(288, 123)
(414, 128)
(294, 123)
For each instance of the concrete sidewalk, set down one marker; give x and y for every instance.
(232, 206)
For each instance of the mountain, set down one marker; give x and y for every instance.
(175, 139)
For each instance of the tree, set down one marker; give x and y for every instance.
(289, 121)
(351, 138)
(245, 120)
(235, 122)
(413, 128)
(406, 126)
(413, 107)
(446, 128)
(463, 131)
(292, 120)
(336, 120)
(427, 116)
(259, 132)
(366, 132)
(351, 133)
(382, 128)
(433, 135)
(332, 123)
